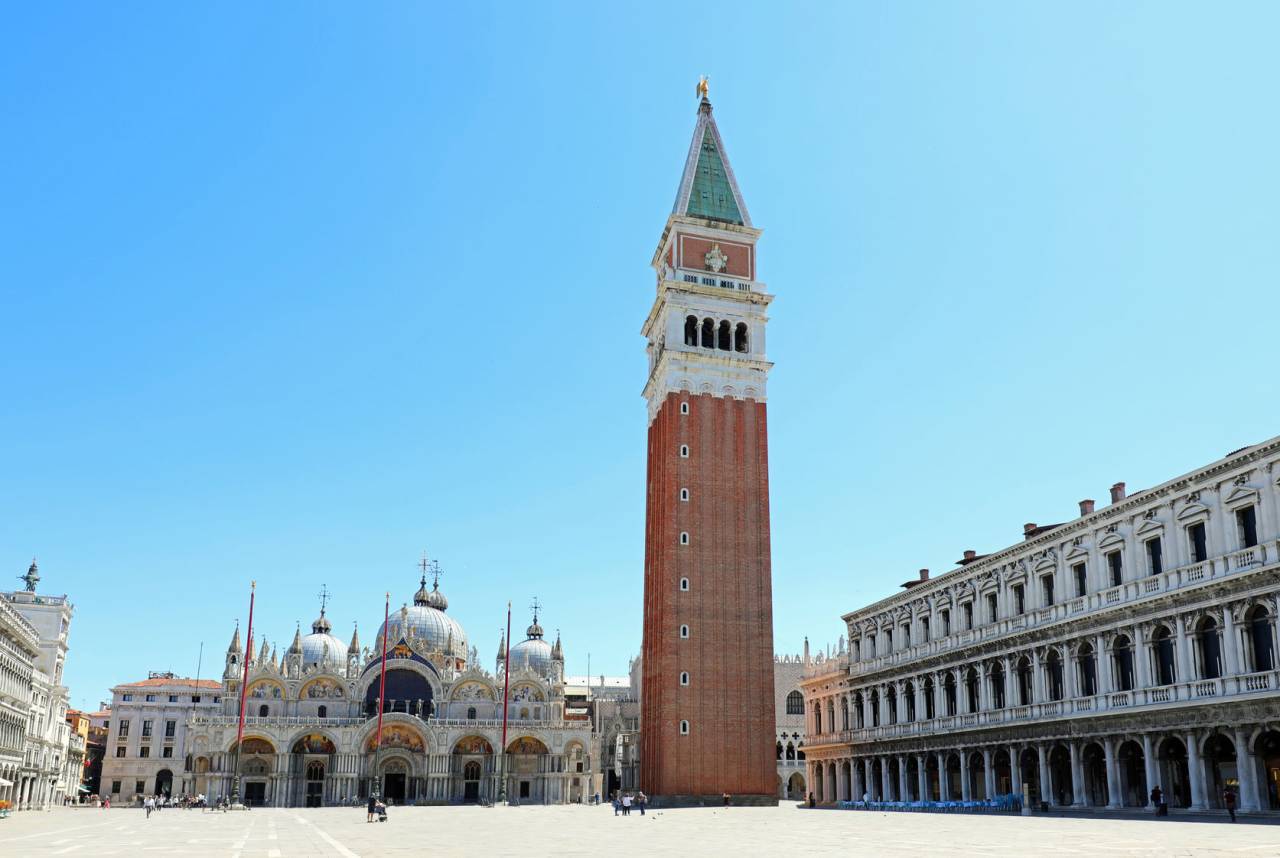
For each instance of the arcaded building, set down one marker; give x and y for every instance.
(1132, 647)
(707, 702)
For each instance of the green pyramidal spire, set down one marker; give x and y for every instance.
(707, 188)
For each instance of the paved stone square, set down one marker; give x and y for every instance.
(577, 830)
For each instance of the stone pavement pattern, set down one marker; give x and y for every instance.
(576, 830)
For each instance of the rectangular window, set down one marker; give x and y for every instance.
(1154, 556)
(126, 697)
(1247, 526)
(906, 635)
(151, 698)
(1199, 542)
(1117, 569)
(120, 751)
(144, 751)
(946, 623)
(170, 728)
(146, 728)
(888, 640)
(1046, 589)
(872, 652)
(195, 698)
(173, 698)
(124, 728)
(139, 786)
(167, 752)
(993, 611)
(115, 787)
(968, 616)
(924, 630)
(1019, 599)
(1082, 580)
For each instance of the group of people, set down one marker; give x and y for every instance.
(376, 808)
(1162, 809)
(625, 801)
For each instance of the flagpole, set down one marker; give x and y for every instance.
(248, 654)
(382, 692)
(506, 684)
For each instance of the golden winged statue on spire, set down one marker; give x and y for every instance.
(702, 86)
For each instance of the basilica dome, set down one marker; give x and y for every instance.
(321, 645)
(533, 651)
(426, 619)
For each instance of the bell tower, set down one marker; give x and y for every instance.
(707, 689)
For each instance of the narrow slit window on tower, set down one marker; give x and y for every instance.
(684, 632)
(684, 678)
(684, 537)
(684, 408)
(684, 585)
(684, 494)
(684, 728)
(684, 451)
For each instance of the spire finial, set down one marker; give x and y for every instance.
(424, 564)
(324, 598)
(703, 87)
(535, 606)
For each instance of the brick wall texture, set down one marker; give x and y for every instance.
(729, 702)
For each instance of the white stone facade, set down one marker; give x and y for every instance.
(44, 777)
(1130, 648)
(19, 649)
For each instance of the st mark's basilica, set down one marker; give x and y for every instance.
(311, 717)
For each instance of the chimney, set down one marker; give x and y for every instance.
(924, 574)
(1027, 528)
(1117, 493)
(1086, 507)
(970, 554)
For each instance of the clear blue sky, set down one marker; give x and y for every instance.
(294, 293)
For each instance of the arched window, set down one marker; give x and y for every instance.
(875, 708)
(949, 692)
(684, 678)
(708, 334)
(909, 696)
(722, 340)
(684, 586)
(844, 713)
(1261, 643)
(322, 712)
(684, 631)
(740, 343)
(1162, 649)
(831, 714)
(971, 689)
(795, 703)
(929, 714)
(779, 750)
(263, 710)
(791, 751)
(1024, 681)
(1209, 651)
(1053, 665)
(997, 686)
(471, 713)
(1122, 653)
(691, 331)
(817, 718)
(891, 698)
(1088, 668)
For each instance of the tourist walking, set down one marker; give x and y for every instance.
(373, 808)
(149, 804)
(626, 804)
(640, 801)
(617, 802)
(1229, 801)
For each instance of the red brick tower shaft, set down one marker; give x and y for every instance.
(707, 717)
